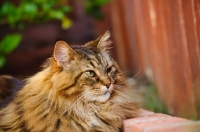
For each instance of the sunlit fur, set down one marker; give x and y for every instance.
(64, 98)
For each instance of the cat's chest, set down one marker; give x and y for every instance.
(95, 120)
(92, 117)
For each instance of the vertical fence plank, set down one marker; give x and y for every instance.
(136, 61)
(193, 49)
(142, 34)
(125, 30)
(166, 84)
(196, 13)
(117, 31)
(124, 37)
(166, 40)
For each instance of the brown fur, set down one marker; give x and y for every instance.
(80, 89)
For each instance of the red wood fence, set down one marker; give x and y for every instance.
(162, 37)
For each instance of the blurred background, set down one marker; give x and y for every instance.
(155, 42)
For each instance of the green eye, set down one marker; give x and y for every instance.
(90, 73)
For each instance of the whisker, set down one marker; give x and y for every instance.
(75, 98)
(74, 104)
(122, 94)
(121, 86)
(78, 100)
(123, 72)
(132, 77)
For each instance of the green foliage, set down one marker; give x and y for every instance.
(93, 8)
(32, 11)
(2, 61)
(29, 11)
(152, 101)
(7, 45)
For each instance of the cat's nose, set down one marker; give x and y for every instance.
(107, 84)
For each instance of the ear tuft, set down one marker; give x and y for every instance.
(63, 53)
(104, 41)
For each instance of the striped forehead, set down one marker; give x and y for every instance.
(93, 58)
(98, 60)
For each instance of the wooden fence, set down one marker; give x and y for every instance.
(162, 37)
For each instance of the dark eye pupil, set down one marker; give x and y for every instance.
(109, 69)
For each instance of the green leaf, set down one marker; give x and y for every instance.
(7, 8)
(2, 63)
(56, 14)
(102, 2)
(46, 7)
(29, 9)
(66, 9)
(9, 43)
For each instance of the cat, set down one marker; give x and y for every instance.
(80, 89)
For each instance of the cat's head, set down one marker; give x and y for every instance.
(91, 70)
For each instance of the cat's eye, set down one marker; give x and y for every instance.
(90, 73)
(109, 69)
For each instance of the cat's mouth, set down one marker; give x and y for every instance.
(106, 92)
(101, 95)
(105, 95)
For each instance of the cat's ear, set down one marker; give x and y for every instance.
(102, 42)
(63, 53)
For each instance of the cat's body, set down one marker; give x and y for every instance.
(80, 89)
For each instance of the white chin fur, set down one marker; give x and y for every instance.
(103, 98)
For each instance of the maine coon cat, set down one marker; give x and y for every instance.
(80, 89)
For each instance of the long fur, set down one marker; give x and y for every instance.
(62, 98)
